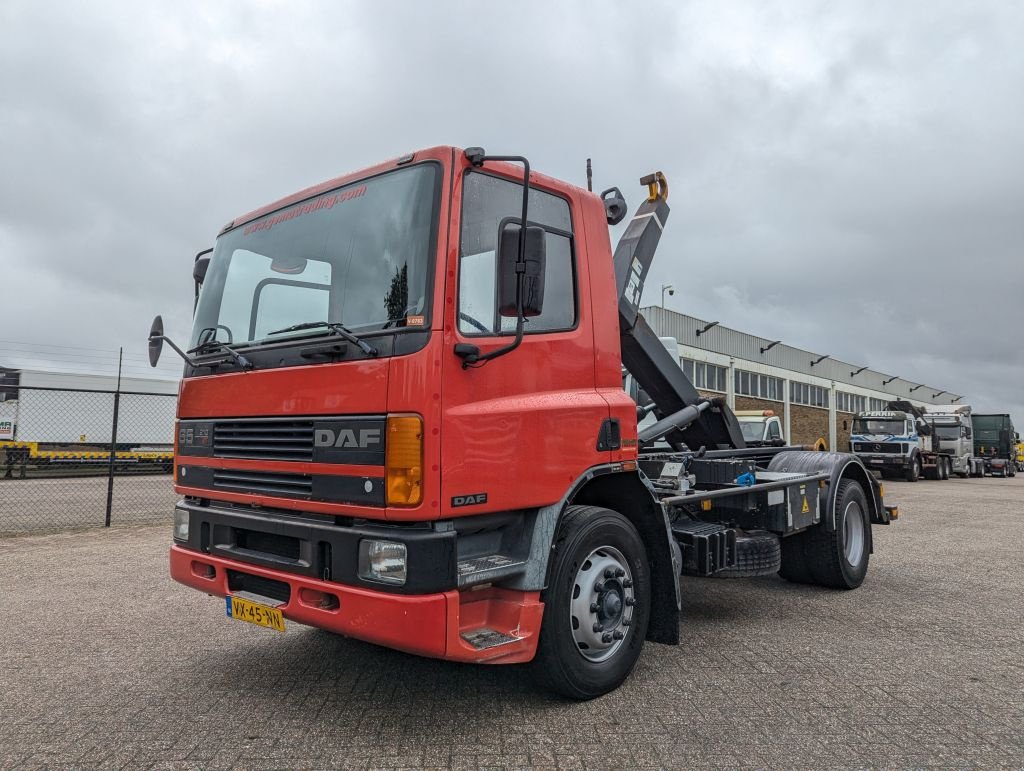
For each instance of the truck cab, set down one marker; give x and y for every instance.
(995, 443)
(888, 441)
(402, 419)
(761, 428)
(953, 430)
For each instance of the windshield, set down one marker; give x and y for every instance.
(357, 255)
(986, 427)
(947, 432)
(753, 430)
(878, 426)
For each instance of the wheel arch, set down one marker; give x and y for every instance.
(626, 494)
(838, 466)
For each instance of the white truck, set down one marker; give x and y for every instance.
(899, 441)
(953, 430)
(761, 428)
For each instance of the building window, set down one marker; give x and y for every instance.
(709, 377)
(811, 395)
(761, 386)
(876, 405)
(850, 402)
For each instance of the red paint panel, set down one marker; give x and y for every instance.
(344, 388)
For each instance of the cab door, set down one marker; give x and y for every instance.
(516, 430)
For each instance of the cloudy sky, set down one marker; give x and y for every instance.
(846, 177)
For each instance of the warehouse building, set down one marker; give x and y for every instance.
(815, 395)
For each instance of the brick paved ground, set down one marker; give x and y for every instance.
(105, 662)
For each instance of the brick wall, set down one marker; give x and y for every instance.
(807, 424)
(751, 403)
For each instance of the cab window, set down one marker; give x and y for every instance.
(487, 201)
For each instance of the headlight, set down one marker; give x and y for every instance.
(382, 561)
(181, 524)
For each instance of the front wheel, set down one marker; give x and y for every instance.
(914, 469)
(597, 604)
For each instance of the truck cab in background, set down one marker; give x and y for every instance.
(995, 443)
(761, 428)
(953, 431)
(899, 441)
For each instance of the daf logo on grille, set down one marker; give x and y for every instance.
(347, 438)
(878, 447)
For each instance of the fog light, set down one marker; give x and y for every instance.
(181, 524)
(382, 561)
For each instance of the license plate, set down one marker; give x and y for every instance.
(254, 613)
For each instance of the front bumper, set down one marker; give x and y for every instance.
(884, 461)
(439, 625)
(307, 567)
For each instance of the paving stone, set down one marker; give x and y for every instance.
(106, 663)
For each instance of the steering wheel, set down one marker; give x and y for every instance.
(473, 322)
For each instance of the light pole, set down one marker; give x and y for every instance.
(666, 288)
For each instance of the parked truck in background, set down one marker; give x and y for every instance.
(899, 441)
(952, 428)
(761, 428)
(995, 442)
(403, 419)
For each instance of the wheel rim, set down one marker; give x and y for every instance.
(602, 604)
(853, 530)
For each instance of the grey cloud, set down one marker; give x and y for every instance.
(846, 178)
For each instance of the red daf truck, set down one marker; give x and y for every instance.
(402, 419)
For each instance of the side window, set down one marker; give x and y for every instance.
(486, 202)
(773, 431)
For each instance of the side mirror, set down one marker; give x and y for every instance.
(156, 340)
(202, 264)
(532, 275)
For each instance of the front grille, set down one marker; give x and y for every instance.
(879, 447)
(265, 439)
(267, 587)
(268, 543)
(269, 482)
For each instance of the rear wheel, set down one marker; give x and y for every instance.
(835, 558)
(597, 604)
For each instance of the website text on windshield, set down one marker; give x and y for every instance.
(349, 263)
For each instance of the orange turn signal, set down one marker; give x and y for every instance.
(404, 460)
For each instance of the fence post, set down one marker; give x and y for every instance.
(113, 440)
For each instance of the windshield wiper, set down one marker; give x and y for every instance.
(339, 329)
(216, 345)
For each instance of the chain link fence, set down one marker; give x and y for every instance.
(74, 459)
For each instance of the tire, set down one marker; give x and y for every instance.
(944, 469)
(757, 554)
(914, 469)
(836, 559)
(573, 658)
(794, 567)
